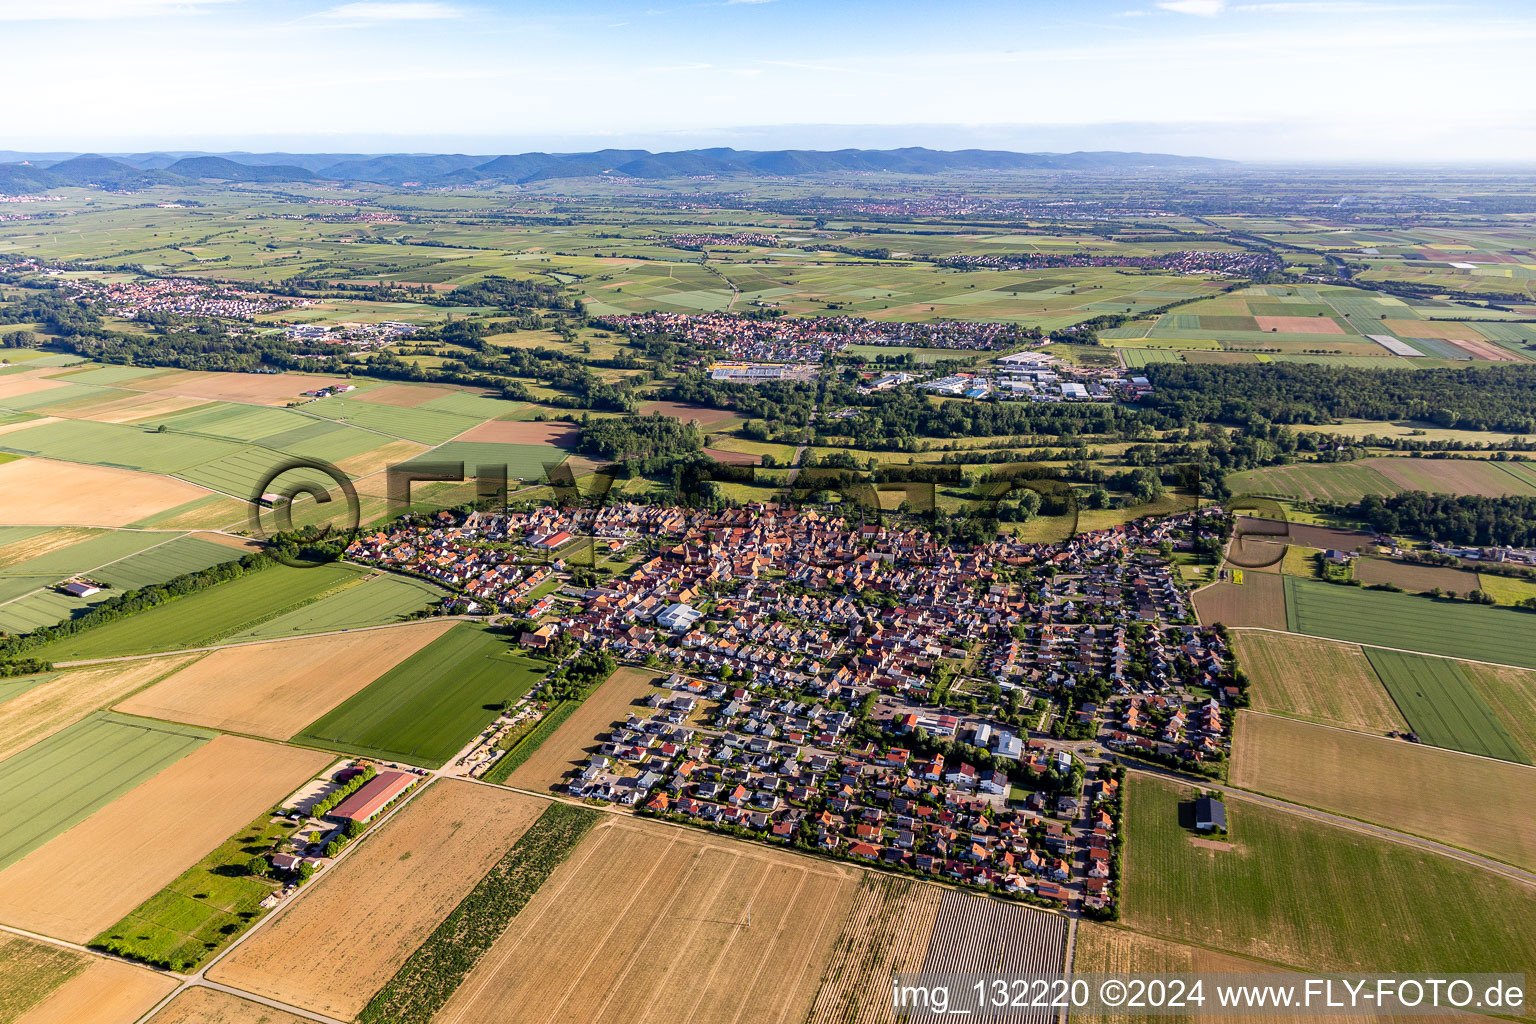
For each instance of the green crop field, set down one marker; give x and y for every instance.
(206, 616)
(60, 781)
(374, 602)
(1453, 629)
(1314, 896)
(209, 906)
(1334, 481)
(1442, 706)
(426, 708)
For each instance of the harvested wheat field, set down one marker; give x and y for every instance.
(88, 878)
(377, 460)
(551, 432)
(1319, 680)
(1409, 576)
(394, 890)
(707, 416)
(42, 491)
(886, 932)
(44, 543)
(40, 421)
(649, 924)
(105, 992)
(1258, 601)
(210, 1006)
(1300, 325)
(114, 407)
(18, 384)
(256, 388)
(404, 396)
(1448, 330)
(276, 689)
(1104, 949)
(1476, 803)
(43, 710)
(562, 752)
(229, 540)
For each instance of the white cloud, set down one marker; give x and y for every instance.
(98, 10)
(1203, 8)
(381, 10)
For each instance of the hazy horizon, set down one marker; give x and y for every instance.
(1297, 81)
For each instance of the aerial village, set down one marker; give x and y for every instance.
(865, 690)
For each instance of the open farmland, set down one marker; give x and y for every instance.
(379, 599)
(83, 880)
(1314, 896)
(458, 829)
(206, 616)
(562, 752)
(1412, 577)
(1511, 693)
(56, 784)
(1442, 706)
(979, 935)
(425, 709)
(1505, 589)
(1319, 680)
(210, 1006)
(55, 493)
(49, 985)
(1424, 790)
(887, 931)
(648, 923)
(1452, 629)
(30, 711)
(274, 689)
(1258, 601)
(1349, 481)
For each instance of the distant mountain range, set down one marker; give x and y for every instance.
(22, 172)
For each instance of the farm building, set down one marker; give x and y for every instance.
(373, 796)
(79, 588)
(1210, 815)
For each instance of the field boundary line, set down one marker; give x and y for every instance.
(1388, 739)
(103, 565)
(1379, 647)
(1326, 817)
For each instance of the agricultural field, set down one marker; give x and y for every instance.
(51, 985)
(210, 1006)
(1430, 792)
(274, 689)
(1511, 693)
(646, 923)
(978, 935)
(887, 931)
(82, 880)
(1259, 601)
(1415, 578)
(558, 754)
(207, 616)
(54, 785)
(381, 598)
(460, 830)
(1506, 590)
(425, 709)
(1442, 705)
(33, 708)
(1313, 896)
(1318, 680)
(1350, 481)
(1452, 629)
(71, 494)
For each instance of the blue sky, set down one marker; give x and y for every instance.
(1267, 80)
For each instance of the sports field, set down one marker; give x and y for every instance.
(1318, 680)
(645, 923)
(83, 880)
(206, 616)
(1443, 706)
(425, 709)
(382, 891)
(274, 689)
(1406, 786)
(1454, 629)
(59, 782)
(562, 752)
(1315, 896)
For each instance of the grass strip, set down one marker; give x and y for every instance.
(425, 982)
